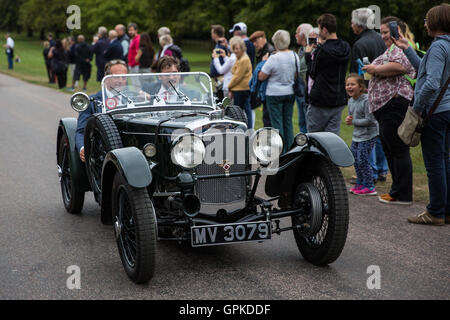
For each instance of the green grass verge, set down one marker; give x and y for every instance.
(32, 69)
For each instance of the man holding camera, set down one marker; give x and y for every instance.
(217, 35)
(328, 97)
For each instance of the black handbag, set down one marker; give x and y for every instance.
(299, 84)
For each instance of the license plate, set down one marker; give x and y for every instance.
(230, 233)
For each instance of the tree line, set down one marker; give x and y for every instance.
(192, 19)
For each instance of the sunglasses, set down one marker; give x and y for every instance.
(117, 61)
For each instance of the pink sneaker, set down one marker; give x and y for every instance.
(356, 188)
(366, 192)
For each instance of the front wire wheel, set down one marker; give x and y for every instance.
(101, 136)
(307, 198)
(135, 229)
(325, 246)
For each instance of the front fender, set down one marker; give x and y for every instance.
(132, 165)
(333, 147)
(69, 127)
(321, 145)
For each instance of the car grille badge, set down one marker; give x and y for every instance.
(225, 165)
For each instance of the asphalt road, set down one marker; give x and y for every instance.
(39, 240)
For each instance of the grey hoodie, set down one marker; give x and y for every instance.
(434, 70)
(366, 126)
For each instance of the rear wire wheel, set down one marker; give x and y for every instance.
(73, 195)
(325, 246)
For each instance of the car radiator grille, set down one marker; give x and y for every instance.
(223, 190)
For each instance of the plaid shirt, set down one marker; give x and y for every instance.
(383, 89)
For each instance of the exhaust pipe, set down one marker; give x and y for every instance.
(191, 205)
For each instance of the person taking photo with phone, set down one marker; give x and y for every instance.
(390, 93)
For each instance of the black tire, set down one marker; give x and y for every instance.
(100, 138)
(73, 195)
(326, 245)
(236, 113)
(135, 229)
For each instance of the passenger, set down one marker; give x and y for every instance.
(164, 88)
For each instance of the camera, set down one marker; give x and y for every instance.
(312, 41)
(217, 51)
(393, 28)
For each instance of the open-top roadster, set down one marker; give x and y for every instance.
(166, 162)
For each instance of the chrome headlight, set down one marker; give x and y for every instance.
(267, 145)
(188, 151)
(301, 139)
(79, 101)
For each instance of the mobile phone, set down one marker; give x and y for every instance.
(217, 51)
(312, 41)
(393, 28)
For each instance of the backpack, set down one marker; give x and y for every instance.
(184, 63)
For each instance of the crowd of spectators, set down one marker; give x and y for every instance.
(380, 89)
(253, 72)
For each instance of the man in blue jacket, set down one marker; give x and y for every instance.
(112, 67)
(114, 50)
(99, 49)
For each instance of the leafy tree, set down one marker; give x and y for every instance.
(192, 19)
(10, 14)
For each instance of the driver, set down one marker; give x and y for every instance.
(112, 67)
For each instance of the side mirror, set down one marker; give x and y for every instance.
(79, 101)
(226, 102)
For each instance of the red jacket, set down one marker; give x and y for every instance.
(133, 50)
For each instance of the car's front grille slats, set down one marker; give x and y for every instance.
(224, 190)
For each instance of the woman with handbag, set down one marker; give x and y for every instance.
(431, 92)
(390, 93)
(282, 70)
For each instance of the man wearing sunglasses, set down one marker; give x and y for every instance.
(112, 67)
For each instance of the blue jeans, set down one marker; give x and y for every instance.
(280, 109)
(301, 107)
(10, 58)
(435, 150)
(242, 99)
(378, 160)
